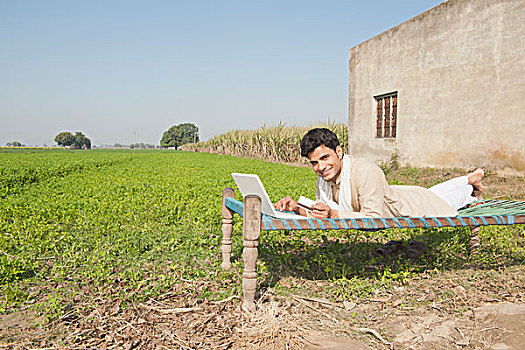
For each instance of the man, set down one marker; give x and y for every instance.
(353, 187)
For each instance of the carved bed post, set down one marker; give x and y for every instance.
(251, 233)
(474, 231)
(227, 227)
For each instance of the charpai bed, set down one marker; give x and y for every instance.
(480, 213)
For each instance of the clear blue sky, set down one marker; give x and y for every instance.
(125, 71)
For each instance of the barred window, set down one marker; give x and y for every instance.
(386, 115)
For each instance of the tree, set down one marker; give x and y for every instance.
(14, 144)
(179, 135)
(64, 139)
(81, 141)
(77, 141)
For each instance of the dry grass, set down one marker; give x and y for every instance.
(278, 143)
(274, 325)
(162, 323)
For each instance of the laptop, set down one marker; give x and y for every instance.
(251, 184)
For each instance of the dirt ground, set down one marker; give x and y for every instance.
(494, 326)
(482, 315)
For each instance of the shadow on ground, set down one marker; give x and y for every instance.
(320, 257)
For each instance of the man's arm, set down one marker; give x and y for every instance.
(322, 211)
(288, 204)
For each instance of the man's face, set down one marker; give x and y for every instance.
(326, 162)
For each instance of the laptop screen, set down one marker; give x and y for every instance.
(251, 184)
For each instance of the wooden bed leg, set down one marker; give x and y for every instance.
(227, 228)
(474, 240)
(251, 234)
(474, 231)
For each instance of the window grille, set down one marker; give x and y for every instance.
(386, 115)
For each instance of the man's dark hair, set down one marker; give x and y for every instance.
(317, 137)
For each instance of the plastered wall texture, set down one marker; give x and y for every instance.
(459, 70)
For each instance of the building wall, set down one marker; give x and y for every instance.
(459, 70)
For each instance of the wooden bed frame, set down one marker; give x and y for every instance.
(483, 213)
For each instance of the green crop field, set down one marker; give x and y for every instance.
(145, 220)
(131, 224)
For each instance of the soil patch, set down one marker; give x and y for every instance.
(491, 326)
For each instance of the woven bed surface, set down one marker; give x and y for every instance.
(494, 207)
(480, 213)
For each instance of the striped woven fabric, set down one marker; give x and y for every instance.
(480, 213)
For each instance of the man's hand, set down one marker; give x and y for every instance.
(322, 211)
(287, 203)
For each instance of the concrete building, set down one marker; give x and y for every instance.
(445, 88)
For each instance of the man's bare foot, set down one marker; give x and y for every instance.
(474, 179)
